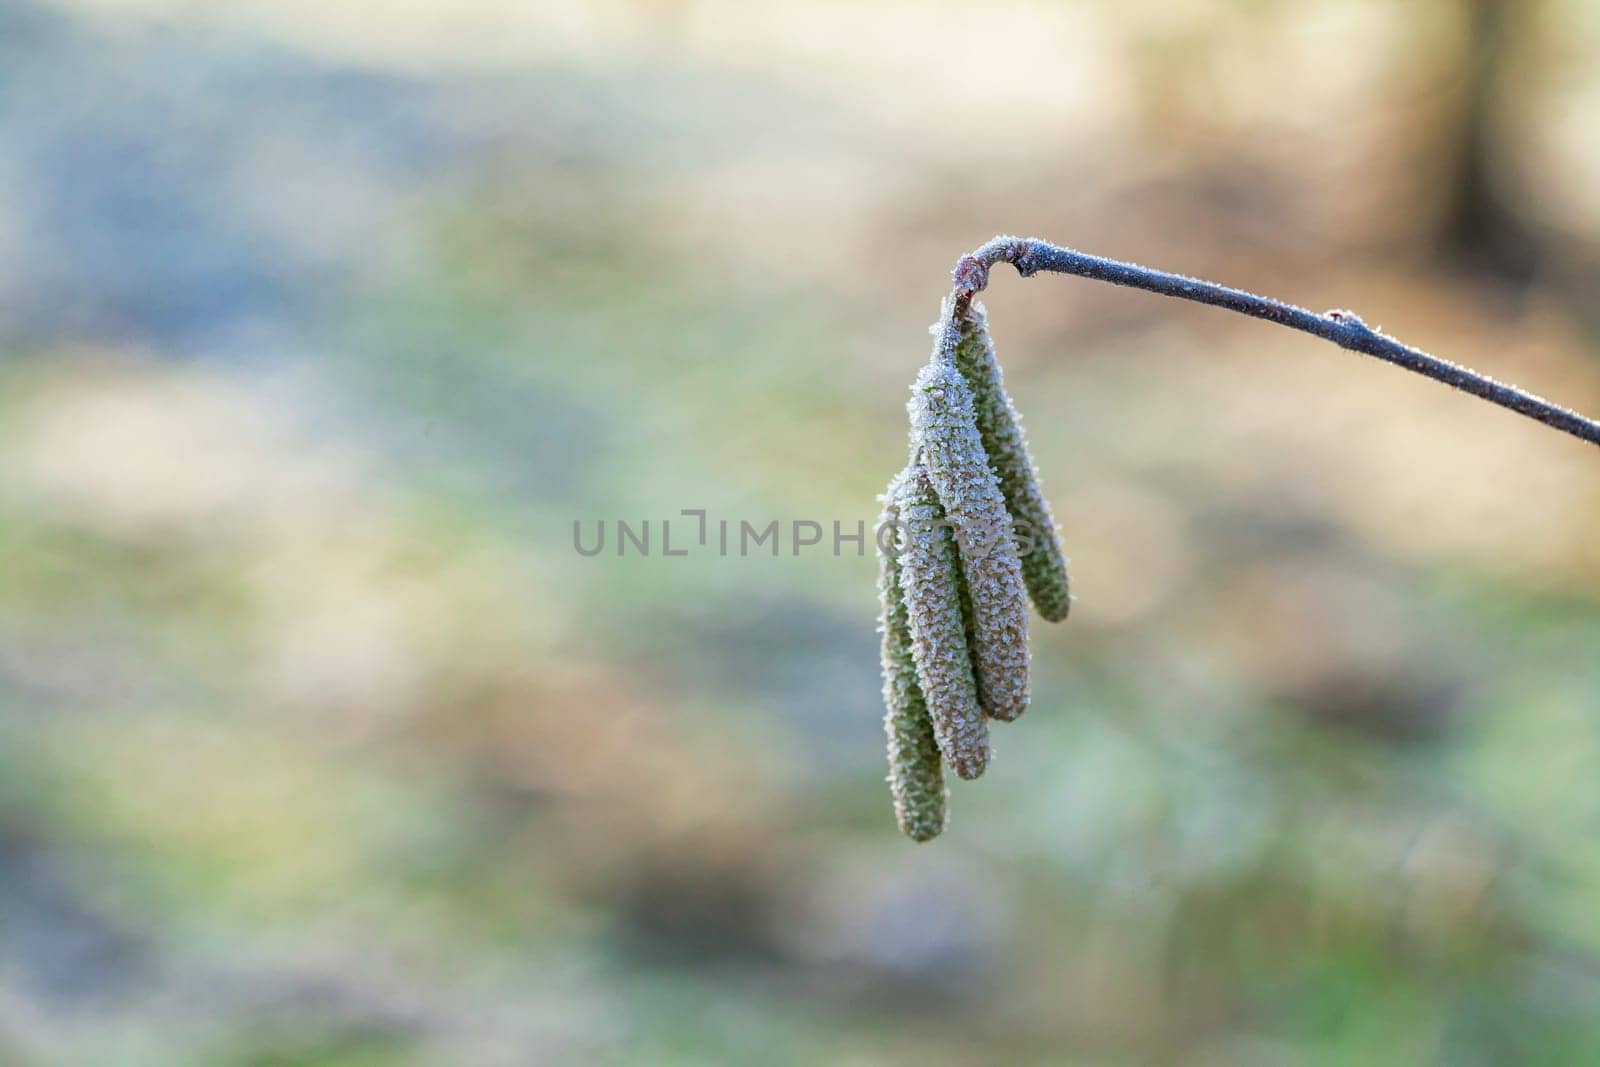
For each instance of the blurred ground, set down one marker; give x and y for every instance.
(321, 324)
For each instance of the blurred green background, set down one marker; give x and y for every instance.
(320, 325)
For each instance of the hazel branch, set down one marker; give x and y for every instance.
(1343, 328)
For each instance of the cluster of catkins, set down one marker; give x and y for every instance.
(966, 538)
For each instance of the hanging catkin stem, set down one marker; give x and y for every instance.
(1044, 567)
(930, 579)
(916, 777)
(944, 428)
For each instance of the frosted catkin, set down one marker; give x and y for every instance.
(916, 775)
(944, 428)
(930, 581)
(1044, 567)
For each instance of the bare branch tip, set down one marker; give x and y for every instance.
(1342, 327)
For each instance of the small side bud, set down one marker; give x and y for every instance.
(971, 274)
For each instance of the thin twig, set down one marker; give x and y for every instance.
(1343, 328)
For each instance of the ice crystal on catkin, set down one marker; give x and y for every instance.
(930, 580)
(1044, 568)
(944, 428)
(916, 775)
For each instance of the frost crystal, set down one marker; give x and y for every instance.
(930, 580)
(1044, 568)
